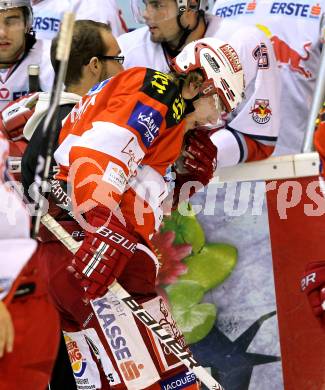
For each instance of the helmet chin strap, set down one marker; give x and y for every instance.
(186, 31)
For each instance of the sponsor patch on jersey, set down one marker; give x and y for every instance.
(159, 86)
(296, 9)
(146, 121)
(78, 362)
(125, 342)
(236, 9)
(232, 57)
(177, 111)
(46, 24)
(177, 382)
(85, 371)
(261, 112)
(114, 174)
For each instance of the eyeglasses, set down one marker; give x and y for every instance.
(119, 59)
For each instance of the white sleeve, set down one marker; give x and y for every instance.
(231, 146)
(102, 11)
(258, 115)
(46, 69)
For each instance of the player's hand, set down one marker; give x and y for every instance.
(200, 155)
(313, 284)
(6, 330)
(15, 115)
(104, 254)
(197, 165)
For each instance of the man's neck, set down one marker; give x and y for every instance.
(197, 33)
(18, 57)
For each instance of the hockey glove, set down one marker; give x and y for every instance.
(313, 284)
(104, 254)
(200, 155)
(15, 115)
(198, 163)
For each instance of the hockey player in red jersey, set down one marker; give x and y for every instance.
(29, 325)
(114, 151)
(251, 131)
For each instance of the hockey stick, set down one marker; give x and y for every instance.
(48, 137)
(139, 312)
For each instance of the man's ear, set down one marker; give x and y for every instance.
(94, 65)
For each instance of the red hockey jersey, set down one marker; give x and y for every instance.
(118, 143)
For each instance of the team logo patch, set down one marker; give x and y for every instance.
(178, 382)
(261, 112)
(4, 93)
(146, 121)
(232, 57)
(78, 363)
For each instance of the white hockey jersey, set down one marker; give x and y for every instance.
(14, 82)
(48, 15)
(257, 116)
(294, 29)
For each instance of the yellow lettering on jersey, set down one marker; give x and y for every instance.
(160, 81)
(178, 108)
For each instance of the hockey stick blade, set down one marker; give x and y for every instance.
(139, 312)
(48, 137)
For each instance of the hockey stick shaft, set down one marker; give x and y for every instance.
(49, 128)
(139, 312)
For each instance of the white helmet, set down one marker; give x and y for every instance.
(8, 4)
(221, 68)
(138, 7)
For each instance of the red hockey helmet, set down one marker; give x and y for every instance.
(221, 68)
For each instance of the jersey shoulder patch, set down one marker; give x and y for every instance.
(161, 87)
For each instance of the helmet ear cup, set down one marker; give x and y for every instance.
(221, 68)
(9, 4)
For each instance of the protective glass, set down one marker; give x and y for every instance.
(153, 10)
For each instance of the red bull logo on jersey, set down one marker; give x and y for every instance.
(261, 112)
(285, 54)
(78, 363)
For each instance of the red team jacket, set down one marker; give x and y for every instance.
(118, 143)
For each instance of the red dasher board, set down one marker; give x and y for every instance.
(295, 241)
